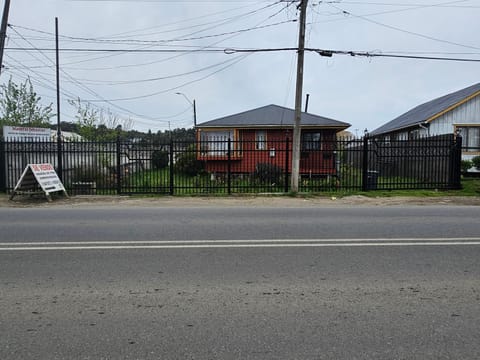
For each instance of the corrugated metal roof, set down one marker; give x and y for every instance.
(272, 116)
(428, 110)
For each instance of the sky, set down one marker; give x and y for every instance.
(143, 63)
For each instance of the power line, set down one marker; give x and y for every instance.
(181, 53)
(86, 89)
(93, 50)
(403, 30)
(446, 5)
(410, 8)
(175, 23)
(237, 60)
(159, 42)
(222, 21)
(330, 53)
(154, 79)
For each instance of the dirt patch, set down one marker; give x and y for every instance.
(234, 201)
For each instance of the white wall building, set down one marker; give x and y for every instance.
(458, 112)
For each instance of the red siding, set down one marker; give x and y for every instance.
(244, 160)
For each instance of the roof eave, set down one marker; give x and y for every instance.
(246, 127)
(452, 107)
(403, 128)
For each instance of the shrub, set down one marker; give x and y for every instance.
(268, 173)
(90, 173)
(159, 159)
(476, 162)
(466, 165)
(188, 164)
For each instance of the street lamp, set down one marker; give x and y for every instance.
(194, 108)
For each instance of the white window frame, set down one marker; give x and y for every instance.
(215, 142)
(260, 140)
(470, 137)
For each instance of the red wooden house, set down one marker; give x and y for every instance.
(264, 135)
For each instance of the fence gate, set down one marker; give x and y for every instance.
(423, 163)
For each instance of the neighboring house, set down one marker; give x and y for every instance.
(458, 112)
(259, 136)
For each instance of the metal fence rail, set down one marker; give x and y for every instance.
(224, 166)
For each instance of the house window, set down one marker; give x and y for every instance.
(215, 143)
(260, 140)
(470, 138)
(311, 141)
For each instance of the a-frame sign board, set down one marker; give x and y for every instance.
(39, 179)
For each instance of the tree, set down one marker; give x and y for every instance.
(160, 159)
(98, 124)
(86, 117)
(188, 164)
(476, 162)
(20, 105)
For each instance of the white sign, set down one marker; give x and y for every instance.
(21, 133)
(37, 177)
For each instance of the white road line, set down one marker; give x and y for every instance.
(236, 241)
(213, 244)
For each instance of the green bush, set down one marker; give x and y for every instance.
(466, 165)
(268, 173)
(188, 164)
(476, 162)
(159, 159)
(90, 173)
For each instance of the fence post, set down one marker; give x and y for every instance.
(365, 164)
(287, 155)
(229, 167)
(457, 164)
(59, 157)
(171, 168)
(3, 172)
(119, 167)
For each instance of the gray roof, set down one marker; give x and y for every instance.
(427, 111)
(272, 116)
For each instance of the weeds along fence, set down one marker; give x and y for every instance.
(224, 166)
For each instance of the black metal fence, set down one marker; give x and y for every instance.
(224, 166)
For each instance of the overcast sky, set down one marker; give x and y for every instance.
(363, 91)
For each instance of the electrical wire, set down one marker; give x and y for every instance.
(410, 8)
(240, 58)
(144, 48)
(329, 53)
(88, 90)
(404, 4)
(135, 41)
(403, 30)
(161, 42)
(154, 79)
(133, 33)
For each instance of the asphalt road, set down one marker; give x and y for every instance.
(240, 283)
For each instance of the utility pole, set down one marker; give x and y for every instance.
(194, 104)
(59, 131)
(194, 114)
(3, 31)
(298, 99)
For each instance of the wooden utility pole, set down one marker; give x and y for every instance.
(194, 114)
(3, 31)
(298, 100)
